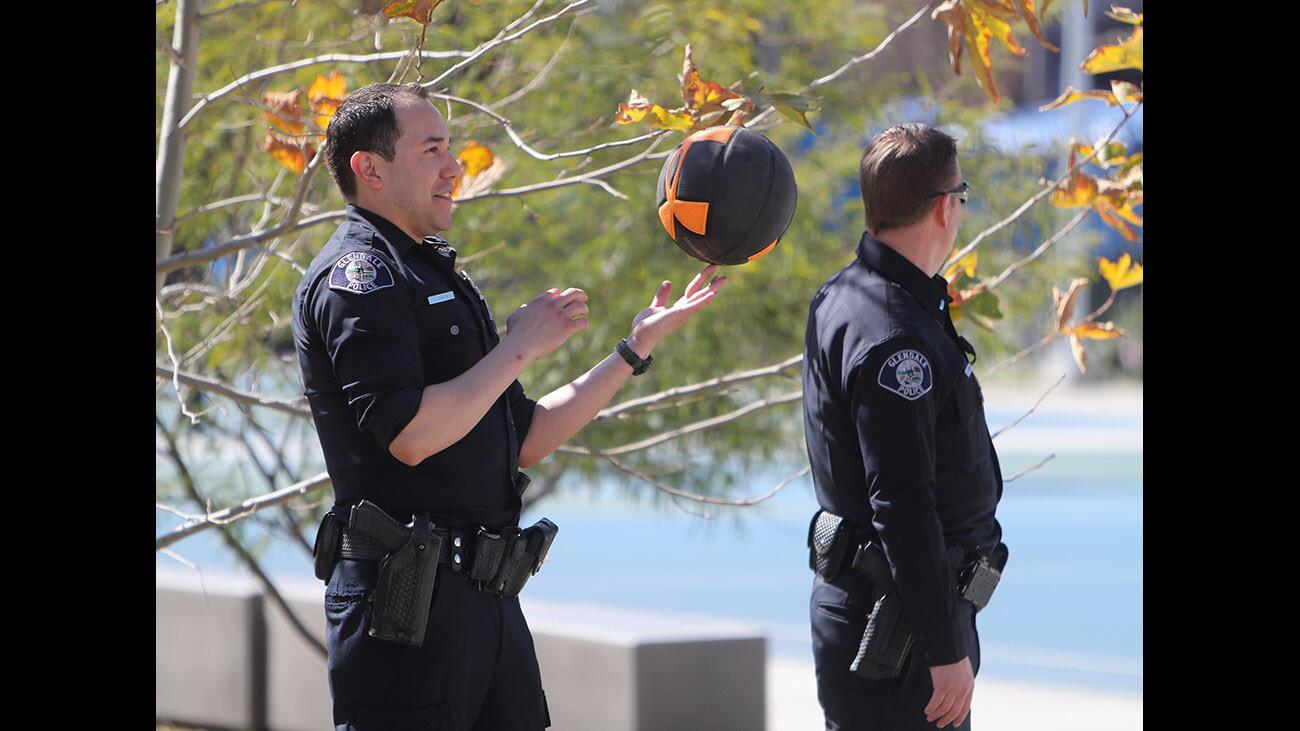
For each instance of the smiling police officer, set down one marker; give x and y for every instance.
(905, 547)
(424, 427)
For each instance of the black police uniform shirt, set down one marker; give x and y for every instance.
(377, 318)
(897, 441)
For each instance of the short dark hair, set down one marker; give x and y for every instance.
(902, 168)
(365, 121)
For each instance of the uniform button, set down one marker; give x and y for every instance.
(456, 558)
(455, 329)
(456, 541)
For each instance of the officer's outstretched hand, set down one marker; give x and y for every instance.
(657, 321)
(954, 685)
(542, 325)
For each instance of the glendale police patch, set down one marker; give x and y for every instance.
(907, 373)
(360, 272)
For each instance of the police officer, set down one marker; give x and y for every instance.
(419, 412)
(898, 444)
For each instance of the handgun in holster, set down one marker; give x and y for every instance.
(407, 575)
(887, 638)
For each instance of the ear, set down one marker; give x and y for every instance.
(366, 172)
(942, 210)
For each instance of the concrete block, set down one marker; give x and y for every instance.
(626, 670)
(298, 695)
(209, 650)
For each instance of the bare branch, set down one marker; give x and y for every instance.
(1065, 231)
(850, 63)
(1021, 355)
(199, 256)
(563, 182)
(269, 587)
(237, 200)
(519, 142)
(1031, 408)
(171, 353)
(173, 511)
(709, 499)
(607, 188)
(501, 40)
(242, 510)
(480, 254)
(269, 71)
(968, 248)
(1027, 470)
(688, 429)
(287, 406)
(627, 407)
(541, 75)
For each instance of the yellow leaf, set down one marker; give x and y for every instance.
(1064, 303)
(698, 95)
(325, 95)
(1124, 15)
(634, 110)
(1078, 192)
(1121, 274)
(293, 155)
(678, 119)
(1097, 331)
(1031, 20)
(1080, 355)
(475, 158)
(421, 11)
(284, 111)
(1126, 55)
(965, 264)
(975, 23)
(1072, 95)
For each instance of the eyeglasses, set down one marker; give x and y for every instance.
(961, 190)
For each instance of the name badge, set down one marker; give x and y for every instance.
(436, 298)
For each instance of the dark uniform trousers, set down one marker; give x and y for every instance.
(839, 612)
(476, 671)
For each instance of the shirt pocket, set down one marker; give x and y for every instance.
(450, 340)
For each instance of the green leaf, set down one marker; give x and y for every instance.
(984, 304)
(796, 115)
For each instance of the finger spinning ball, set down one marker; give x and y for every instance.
(726, 195)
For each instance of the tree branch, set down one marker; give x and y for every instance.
(519, 142)
(502, 40)
(688, 429)
(968, 248)
(1027, 470)
(850, 63)
(242, 81)
(199, 256)
(1031, 408)
(633, 405)
(711, 500)
(242, 510)
(598, 173)
(1065, 231)
(287, 406)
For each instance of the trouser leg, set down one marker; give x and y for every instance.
(839, 612)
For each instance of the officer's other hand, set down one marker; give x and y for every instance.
(543, 324)
(954, 685)
(657, 321)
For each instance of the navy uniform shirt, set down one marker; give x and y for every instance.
(897, 441)
(377, 318)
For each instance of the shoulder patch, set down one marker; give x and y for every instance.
(360, 272)
(906, 373)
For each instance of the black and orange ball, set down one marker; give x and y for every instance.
(726, 195)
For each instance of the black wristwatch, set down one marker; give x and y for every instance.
(638, 364)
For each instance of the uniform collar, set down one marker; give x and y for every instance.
(930, 292)
(401, 244)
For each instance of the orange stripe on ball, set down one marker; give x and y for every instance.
(764, 251)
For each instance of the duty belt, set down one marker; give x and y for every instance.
(500, 563)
